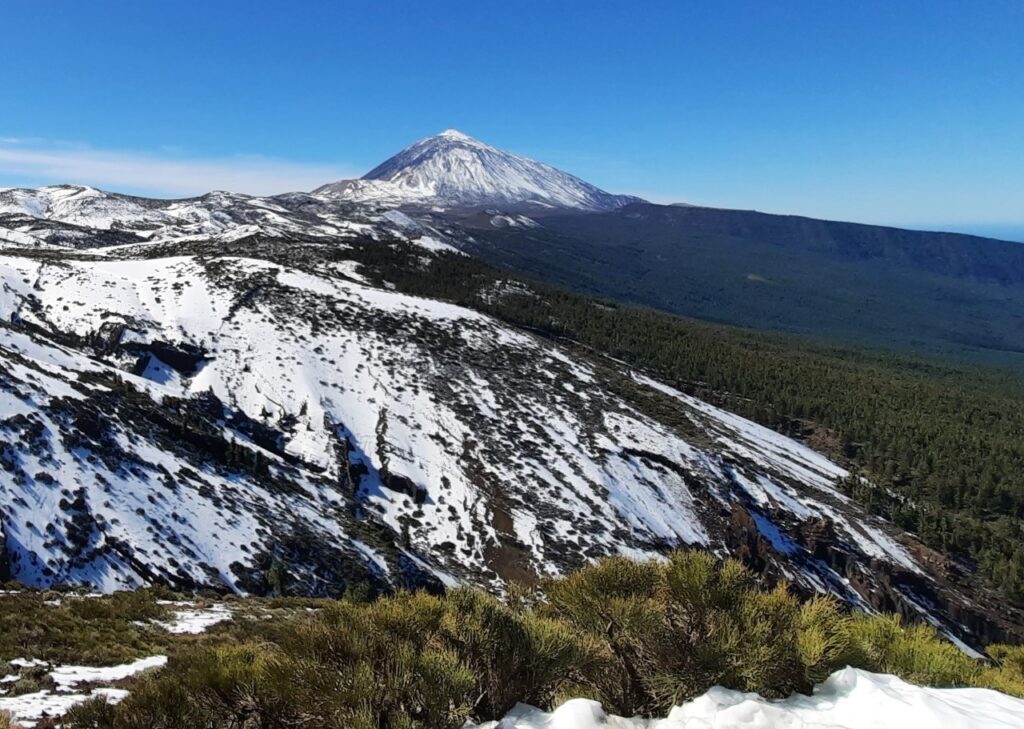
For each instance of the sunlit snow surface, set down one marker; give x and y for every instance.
(27, 709)
(75, 684)
(68, 676)
(849, 699)
(452, 169)
(194, 620)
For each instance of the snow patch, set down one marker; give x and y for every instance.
(68, 676)
(848, 699)
(194, 621)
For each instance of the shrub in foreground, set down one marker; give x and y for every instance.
(638, 636)
(673, 630)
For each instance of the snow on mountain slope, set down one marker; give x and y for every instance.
(452, 169)
(111, 500)
(242, 367)
(320, 353)
(194, 409)
(76, 216)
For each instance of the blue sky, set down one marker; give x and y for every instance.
(888, 112)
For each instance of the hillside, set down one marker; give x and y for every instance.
(909, 291)
(343, 398)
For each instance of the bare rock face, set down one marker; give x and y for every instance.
(5, 567)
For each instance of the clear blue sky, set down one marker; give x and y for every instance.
(890, 112)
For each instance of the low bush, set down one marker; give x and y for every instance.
(916, 653)
(130, 606)
(6, 722)
(675, 629)
(514, 656)
(639, 637)
(1007, 675)
(383, 664)
(76, 629)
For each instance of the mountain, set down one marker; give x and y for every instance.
(904, 290)
(199, 392)
(929, 293)
(452, 170)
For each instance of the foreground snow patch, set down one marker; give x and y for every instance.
(849, 699)
(193, 621)
(27, 709)
(68, 676)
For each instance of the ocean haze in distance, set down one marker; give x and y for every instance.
(1006, 231)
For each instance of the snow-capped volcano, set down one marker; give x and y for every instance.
(452, 169)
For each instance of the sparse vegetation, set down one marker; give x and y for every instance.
(59, 627)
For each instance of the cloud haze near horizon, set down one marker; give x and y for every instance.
(34, 162)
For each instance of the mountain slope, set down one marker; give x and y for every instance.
(903, 290)
(197, 409)
(209, 391)
(452, 169)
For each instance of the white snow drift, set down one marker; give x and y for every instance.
(849, 699)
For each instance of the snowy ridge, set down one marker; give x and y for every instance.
(452, 169)
(77, 216)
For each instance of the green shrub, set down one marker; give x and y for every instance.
(384, 664)
(639, 637)
(616, 603)
(823, 638)
(376, 665)
(916, 653)
(128, 605)
(514, 656)
(1008, 673)
(96, 713)
(31, 681)
(674, 629)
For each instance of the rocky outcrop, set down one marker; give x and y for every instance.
(5, 567)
